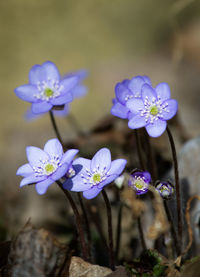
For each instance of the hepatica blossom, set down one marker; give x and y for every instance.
(139, 181)
(93, 175)
(46, 166)
(78, 91)
(46, 88)
(126, 90)
(152, 109)
(165, 189)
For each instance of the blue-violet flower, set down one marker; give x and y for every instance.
(139, 181)
(165, 189)
(124, 91)
(77, 91)
(93, 175)
(153, 109)
(46, 166)
(46, 88)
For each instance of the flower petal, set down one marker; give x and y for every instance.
(107, 181)
(163, 91)
(171, 108)
(119, 110)
(91, 193)
(147, 176)
(157, 128)
(117, 166)
(147, 80)
(135, 105)
(36, 74)
(148, 93)
(54, 147)
(27, 93)
(122, 93)
(135, 85)
(51, 71)
(41, 107)
(32, 179)
(60, 172)
(69, 83)
(137, 121)
(29, 115)
(69, 155)
(42, 187)
(77, 183)
(101, 160)
(25, 170)
(79, 91)
(36, 155)
(62, 99)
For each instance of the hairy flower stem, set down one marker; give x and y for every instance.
(78, 221)
(139, 151)
(173, 231)
(110, 234)
(86, 221)
(118, 238)
(55, 127)
(178, 193)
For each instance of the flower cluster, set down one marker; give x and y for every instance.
(139, 181)
(143, 105)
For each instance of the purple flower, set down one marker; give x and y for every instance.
(46, 166)
(126, 90)
(165, 189)
(139, 181)
(153, 109)
(77, 91)
(93, 175)
(46, 88)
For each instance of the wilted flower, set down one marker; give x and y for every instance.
(139, 181)
(165, 189)
(77, 91)
(46, 166)
(126, 90)
(93, 175)
(46, 88)
(152, 109)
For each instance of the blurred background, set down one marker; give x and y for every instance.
(113, 40)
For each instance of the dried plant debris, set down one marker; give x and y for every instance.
(137, 206)
(160, 225)
(80, 268)
(35, 252)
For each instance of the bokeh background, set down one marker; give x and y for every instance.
(113, 40)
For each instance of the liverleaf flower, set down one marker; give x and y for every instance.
(139, 181)
(46, 89)
(165, 189)
(78, 91)
(46, 166)
(152, 109)
(91, 176)
(126, 90)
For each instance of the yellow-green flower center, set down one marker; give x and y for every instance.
(48, 92)
(154, 110)
(96, 178)
(139, 184)
(49, 168)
